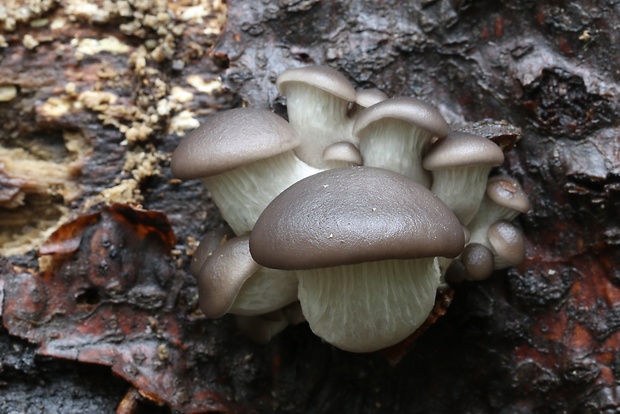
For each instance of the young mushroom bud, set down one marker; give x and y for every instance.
(363, 242)
(394, 134)
(507, 243)
(460, 165)
(317, 100)
(342, 154)
(504, 200)
(230, 281)
(477, 261)
(245, 158)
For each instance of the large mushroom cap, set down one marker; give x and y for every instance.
(322, 77)
(411, 110)
(232, 139)
(460, 149)
(354, 215)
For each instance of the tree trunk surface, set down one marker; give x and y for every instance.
(98, 310)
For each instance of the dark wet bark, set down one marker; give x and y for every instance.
(543, 337)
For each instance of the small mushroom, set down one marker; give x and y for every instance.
(244, 156)
(460, 165)
(230, 281)
(394, 134)
(363, 242)
(477, 261)
(317, 100)
(508, 244)
(342, 154)
(504, 199)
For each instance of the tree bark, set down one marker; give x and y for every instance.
(96, 235)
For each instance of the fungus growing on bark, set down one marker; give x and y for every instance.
(244, 156)
(395, 133)
(363, 242)
(359, 252)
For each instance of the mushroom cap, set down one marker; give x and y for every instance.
(455, 273)
(223, 274)
(322, 77)
(507, 192)
(369, 97)
(232, 139)
(460, 149)
(354, 215)
(407, 109)
(343, 151)
(508, 242)
(209, 243)
(478, 261)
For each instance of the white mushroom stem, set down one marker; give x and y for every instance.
(265, 291)
(462, 189)
(242, 194)
(396, 146)
(369, 306)
(319, 118)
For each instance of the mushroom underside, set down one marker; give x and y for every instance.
(242, 194)
(320, 119)
(462, 189)
(265, 291)
(396, 146)
(369, 306)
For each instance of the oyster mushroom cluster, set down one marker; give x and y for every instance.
(350, 215)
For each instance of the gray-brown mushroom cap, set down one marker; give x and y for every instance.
(411, 110)
(354, 215)
(232, 139)
(322, 77)
(343, 151)
(478, 261)
(209, 243)
(507, 192)
(508, 242)
(369, 97)
(223, 274)
(460, 149)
